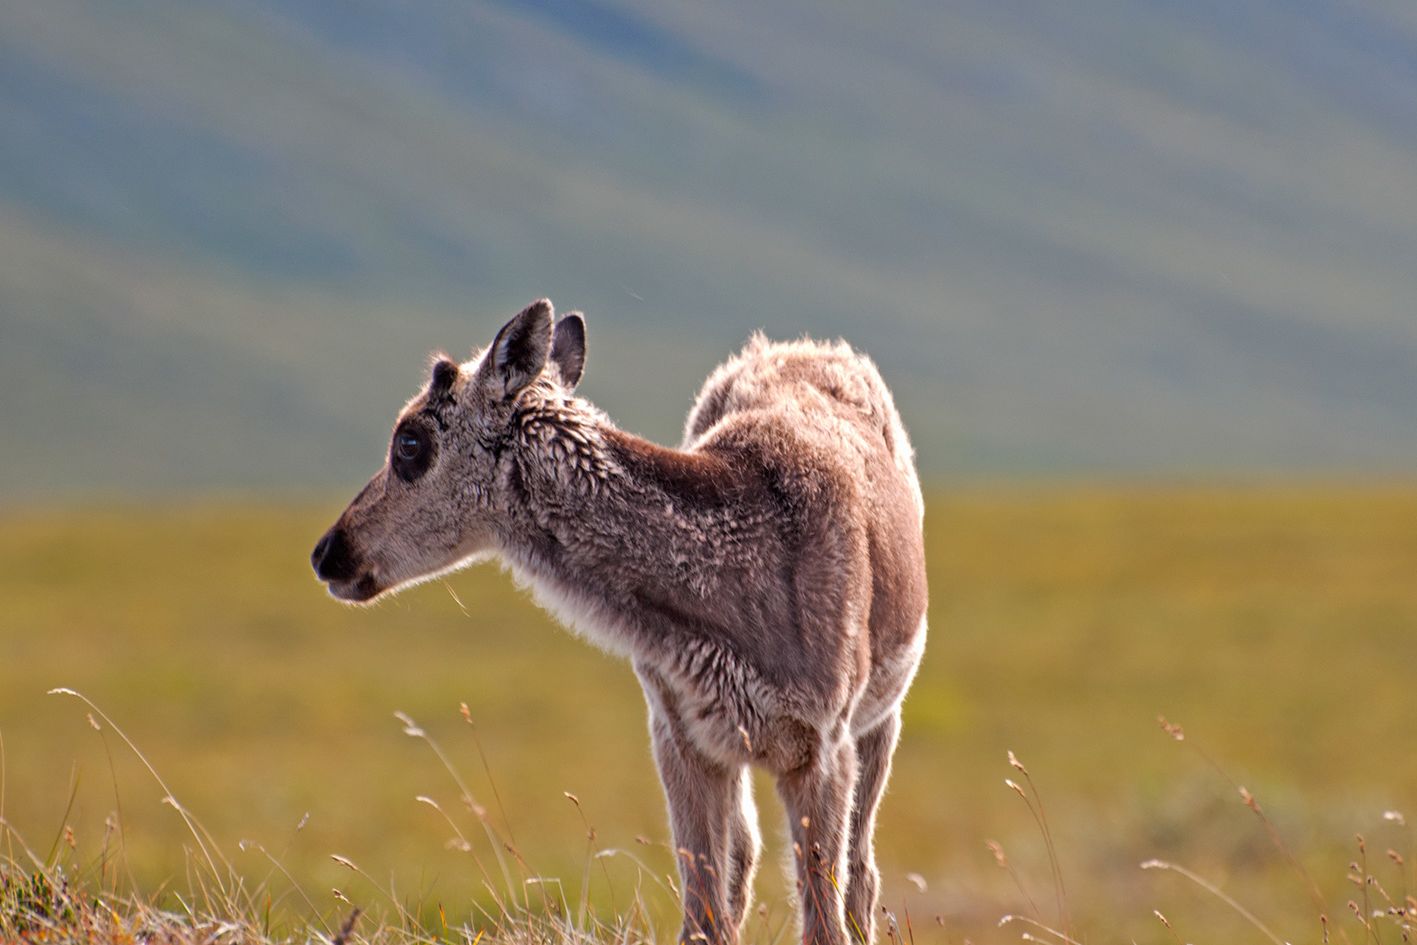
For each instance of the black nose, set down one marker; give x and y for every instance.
(331, 558)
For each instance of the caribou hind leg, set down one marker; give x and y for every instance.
(873, 758)
(818, 800)
(744, 846)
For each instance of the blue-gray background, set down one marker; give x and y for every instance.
(1147, 238)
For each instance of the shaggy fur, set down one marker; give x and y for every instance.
(766, 579)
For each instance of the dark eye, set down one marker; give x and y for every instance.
(412, 452)
(407, 446)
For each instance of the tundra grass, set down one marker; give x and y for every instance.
(1278, 626)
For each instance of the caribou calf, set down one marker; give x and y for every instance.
(767, 580)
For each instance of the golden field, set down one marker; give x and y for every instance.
(1277, 625)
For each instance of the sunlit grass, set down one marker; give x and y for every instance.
(1280, 627)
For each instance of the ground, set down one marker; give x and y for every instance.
(1278, 626)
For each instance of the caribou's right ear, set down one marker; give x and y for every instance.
(518, 356)
(568, 348)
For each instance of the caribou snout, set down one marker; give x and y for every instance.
(340, 567)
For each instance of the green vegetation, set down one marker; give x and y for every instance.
(1276, 626)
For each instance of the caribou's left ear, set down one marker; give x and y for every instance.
(519, 354)
(568, 348)
(445, 374)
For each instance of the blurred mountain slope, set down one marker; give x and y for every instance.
(1153, 237)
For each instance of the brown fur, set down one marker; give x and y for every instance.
(766, 580)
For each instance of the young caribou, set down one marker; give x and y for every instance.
(766, 580)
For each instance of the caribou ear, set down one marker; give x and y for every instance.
(445, 373)
(519, 353)
(568, 348)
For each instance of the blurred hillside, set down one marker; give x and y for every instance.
(1113, 237)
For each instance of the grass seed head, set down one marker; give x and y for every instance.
(1249, 799)
(1172, 729)
(410, 728)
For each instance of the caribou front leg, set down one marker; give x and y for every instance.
(704, 797)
